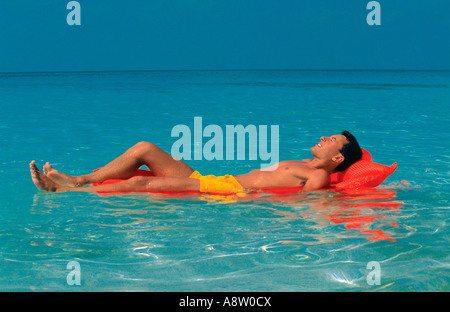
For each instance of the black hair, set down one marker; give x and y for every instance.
(351, 151)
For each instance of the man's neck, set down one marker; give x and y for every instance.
(321, 164)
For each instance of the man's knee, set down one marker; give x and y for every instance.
(144, 147)
(139, 181)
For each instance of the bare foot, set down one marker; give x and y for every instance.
(61, 178)
(42, 182)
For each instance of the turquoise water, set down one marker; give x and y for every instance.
(316, 242)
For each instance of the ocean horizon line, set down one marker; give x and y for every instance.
(216, 70)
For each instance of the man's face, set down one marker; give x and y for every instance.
(329, 147)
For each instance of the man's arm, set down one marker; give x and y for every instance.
(317, 179)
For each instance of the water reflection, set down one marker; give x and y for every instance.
(370, 212)
(317, 218)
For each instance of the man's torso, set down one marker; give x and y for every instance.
(286, 174)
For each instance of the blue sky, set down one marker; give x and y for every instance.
(223, 34)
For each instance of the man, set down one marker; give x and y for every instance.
(331, 154)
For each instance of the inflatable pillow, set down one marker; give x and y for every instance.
(363, 173)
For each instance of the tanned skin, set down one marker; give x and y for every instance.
(172, 175)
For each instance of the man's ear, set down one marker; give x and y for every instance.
(338, 159)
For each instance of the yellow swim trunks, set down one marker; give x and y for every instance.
(226, 184)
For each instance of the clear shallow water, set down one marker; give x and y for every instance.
(321, 241)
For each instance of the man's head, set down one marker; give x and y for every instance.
(338, 152)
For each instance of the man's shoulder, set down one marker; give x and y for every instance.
(317, 179)
(303, 171)
(298, 164)
(321, 173)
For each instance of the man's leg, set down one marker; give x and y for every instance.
(159, 162)
(135, 184)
